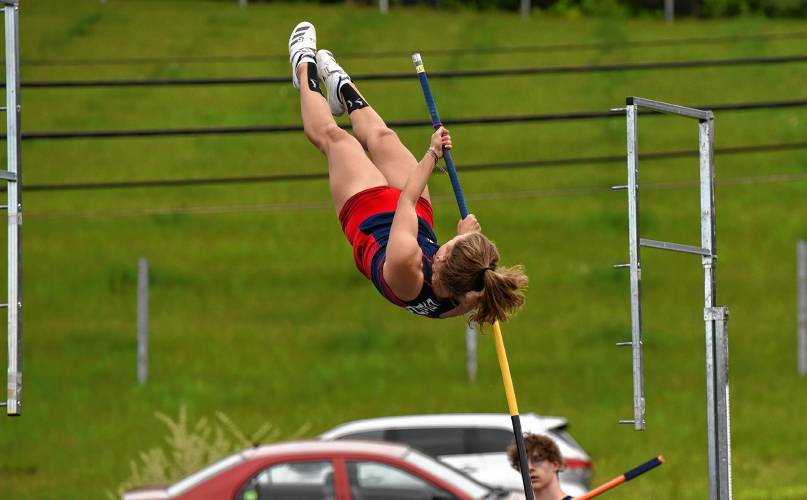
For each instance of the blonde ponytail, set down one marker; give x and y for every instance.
(502, 295)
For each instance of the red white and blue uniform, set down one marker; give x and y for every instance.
(366, 219)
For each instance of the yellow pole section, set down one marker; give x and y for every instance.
(508, 382)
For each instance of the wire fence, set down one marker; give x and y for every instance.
(475, 167)
(439, 199)
(478, 73)
(484, 120)
(479, 120)
(543, 48)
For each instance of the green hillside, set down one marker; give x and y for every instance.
(257, 310)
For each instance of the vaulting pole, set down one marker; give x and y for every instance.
(497, 333)
(631, 474)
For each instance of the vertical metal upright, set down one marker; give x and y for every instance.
(715, 317)
(801, 252)
(13, 178)
(635, 266)
(470, 351)
(142, 320)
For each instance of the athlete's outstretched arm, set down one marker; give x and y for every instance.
(402, 267)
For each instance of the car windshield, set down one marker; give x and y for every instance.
(448, 474)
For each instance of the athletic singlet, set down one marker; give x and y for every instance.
(426, 303)
(366, 220)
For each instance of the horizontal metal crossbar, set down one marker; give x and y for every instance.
(670, 108)
(3, 403)
(9, 176)
(675, 247)
(10, 3)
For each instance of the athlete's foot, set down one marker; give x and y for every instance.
(302, 48)
(334, 77)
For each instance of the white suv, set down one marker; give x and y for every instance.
(475, 443)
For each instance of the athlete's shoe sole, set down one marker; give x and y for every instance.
(334, 77)
(302, 45)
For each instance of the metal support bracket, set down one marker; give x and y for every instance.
(675, 247)
(716, 313)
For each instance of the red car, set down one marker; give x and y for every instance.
(322, 470)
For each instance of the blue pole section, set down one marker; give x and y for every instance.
(452, 171)
(647, 466)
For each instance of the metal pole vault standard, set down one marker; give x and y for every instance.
(13, 178)
(497, 333)
(715, 317)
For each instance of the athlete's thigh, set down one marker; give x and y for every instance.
(350, 171)
(394, 160)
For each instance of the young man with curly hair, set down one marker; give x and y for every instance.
(545, 462)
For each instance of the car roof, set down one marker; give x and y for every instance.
(530, 422)
(328, 447)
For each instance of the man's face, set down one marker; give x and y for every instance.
(542, 472)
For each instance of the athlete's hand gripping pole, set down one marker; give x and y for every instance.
(613, 483)
(497, 333)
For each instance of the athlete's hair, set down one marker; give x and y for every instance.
(538, 448)
(472, 266)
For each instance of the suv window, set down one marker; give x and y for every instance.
(439, 441)
(562, 435)
(491, 441)
(366, 435)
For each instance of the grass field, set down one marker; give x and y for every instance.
(256, 309)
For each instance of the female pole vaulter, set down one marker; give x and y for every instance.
(384, 207)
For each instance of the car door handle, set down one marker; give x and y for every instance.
(468, 469)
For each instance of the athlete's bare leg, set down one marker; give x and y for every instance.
(387, 151)
(349, 169)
